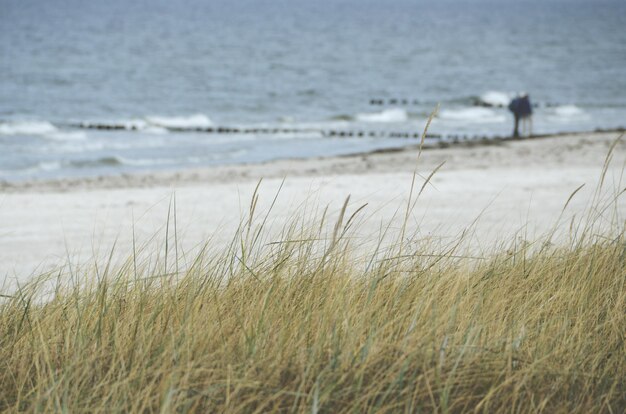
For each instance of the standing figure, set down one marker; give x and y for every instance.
(521, 109)
(514, 108)
(526, 114)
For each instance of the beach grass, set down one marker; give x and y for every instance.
(310, 322)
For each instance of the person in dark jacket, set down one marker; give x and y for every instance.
(514, 108)
(521, 109)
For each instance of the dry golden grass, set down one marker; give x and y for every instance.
(308, 325)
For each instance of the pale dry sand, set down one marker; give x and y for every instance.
(513, 187)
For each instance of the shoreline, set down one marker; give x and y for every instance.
(497, 191)
(238, 172)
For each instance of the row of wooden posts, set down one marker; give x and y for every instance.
(334, 133)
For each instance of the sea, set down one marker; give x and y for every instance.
(91, 88)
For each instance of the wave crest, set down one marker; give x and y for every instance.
(568, 111)
(495, 99)
(27, 128)
(180, 122)
(388, 115)
(476, 115)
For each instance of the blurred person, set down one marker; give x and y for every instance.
(521, 108)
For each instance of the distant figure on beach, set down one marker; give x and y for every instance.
(522, 110)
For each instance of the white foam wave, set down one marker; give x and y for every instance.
(27, 128)
(475, 115)
(183, 122)
(568, 111)
(389, 115)
(495, 98)
(566, 114)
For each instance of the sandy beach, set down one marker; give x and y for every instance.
(510, 186)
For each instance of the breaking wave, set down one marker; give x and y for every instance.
(474, 115)
(568, 111)
(389, 115)
(495, 99)
(180, 122)
(42, 129)
(27, 128)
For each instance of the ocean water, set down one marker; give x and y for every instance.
(187, 83)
